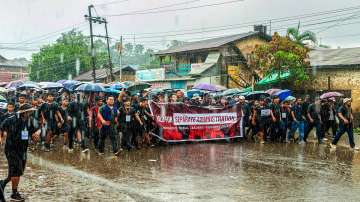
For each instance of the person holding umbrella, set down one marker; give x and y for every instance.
(19, 130)
(346, 120)
(315, 120)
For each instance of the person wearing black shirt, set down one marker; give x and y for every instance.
(262, 118)
(276, 123)
(50, 115)
(64, 126)
(346, 120)
(315, 120)
(298, 121)
(285, 120)
(126, 120)
(108, 117)
(330, 117)
(19, 130)
(21, 101)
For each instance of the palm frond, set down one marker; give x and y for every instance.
(308, 36)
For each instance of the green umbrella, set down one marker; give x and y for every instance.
(137, 87)
(3, 90)
(2, 98)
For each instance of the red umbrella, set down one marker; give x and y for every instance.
(330, 95)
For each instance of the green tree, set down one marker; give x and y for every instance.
(300, 37)
(282, 55)
(61, 59)
(139, 49)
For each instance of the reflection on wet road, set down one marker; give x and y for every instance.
(213, 172)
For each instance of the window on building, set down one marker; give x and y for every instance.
(14, 76)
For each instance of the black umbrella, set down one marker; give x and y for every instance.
(256, 95)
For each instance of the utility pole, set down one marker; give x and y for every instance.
(108, 49)
(92, 43)
(120, 49)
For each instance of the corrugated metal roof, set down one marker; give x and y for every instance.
(201, 69)
(102, 73)
(335, 57)
(207, 44)
(17, 62)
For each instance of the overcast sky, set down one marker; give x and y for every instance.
(28, 24)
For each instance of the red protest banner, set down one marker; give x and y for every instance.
(181, 122)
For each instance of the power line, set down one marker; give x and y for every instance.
(265, 21)
(230, 28)
(49, 35)
(111, 2)
(172, 10)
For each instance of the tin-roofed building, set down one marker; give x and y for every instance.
(219, 61)
(13, 69)
(103, 75)
(337, 70)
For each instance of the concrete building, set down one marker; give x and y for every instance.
(15, 69)
(221, 61)
(337, 70)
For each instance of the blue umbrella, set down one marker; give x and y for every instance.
(71, 84)
(118, 86)
(111, 91)
(283, 94)
(190, 93)
(90, 87)
(61, 81)
(29, 85)
(50, 85)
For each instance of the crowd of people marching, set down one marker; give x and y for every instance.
(87, 120)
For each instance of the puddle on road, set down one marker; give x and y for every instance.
(205, 172)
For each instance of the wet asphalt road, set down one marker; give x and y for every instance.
(196, 172)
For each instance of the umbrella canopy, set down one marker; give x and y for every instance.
(3, 84)
(231, 92)
(256, 95)
(118, 86)
(138, 86)
(71, 84)
(290, 98)
(28, 85)
(272, 91)
(128, 83)
(273, 78)
(2, 98)
(14, 84)
(3, 90)
(90, 87)
(190, 93)
(111, 91)
(283, 94)
(62, 81)
(206, 86)
(50, 85)
(330, 95)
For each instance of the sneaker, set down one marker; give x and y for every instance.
(70, 150)
(262, 142)
(325, 139)
(332, 146)
(100, 153)
(16, 197)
